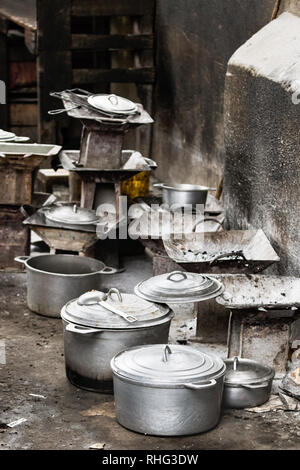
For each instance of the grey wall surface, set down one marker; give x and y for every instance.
(262, 171)
(195, 39)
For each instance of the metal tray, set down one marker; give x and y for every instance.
(234, 251)
(41, 150)
(254, 291)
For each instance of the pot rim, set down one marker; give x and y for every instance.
(31, 268)
(243, 385)
(169, 316)
(188, 188)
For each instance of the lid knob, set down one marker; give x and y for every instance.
(113, 99)
(75, 208)
(167, 352)
(235, 362)
(177, 273)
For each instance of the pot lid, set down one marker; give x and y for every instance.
(6, 135)
(107, 311)
(245, 371)
(112, 104)
(163, 364)
(187, 187)
(71, 214)
(179, 287)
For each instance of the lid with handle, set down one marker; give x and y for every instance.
(114, 311)
(241, 371)
(163, 365)
(112, 104)
(179, 287)
(71, 214)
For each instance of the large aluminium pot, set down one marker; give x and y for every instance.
(94, 332)
(181, 195)
(167, 390)
(53, 280)
(247, 383)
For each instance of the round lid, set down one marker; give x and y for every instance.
(245, 371)
(120, 311)
(71, 214)
(112, 104)
(4, 135)
(163, 364)
(179, 287)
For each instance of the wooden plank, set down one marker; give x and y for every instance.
(113, 7)
(112, 42)
(21, 12)
(22, 74)
(54, 62)
(23, 114)
(141, 75)
(4, 80)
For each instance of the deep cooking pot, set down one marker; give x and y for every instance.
(183, 194)
(97, 326)
(247, 383)
(167, 390)
(53, 280)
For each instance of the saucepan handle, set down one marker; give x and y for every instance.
(256, 386)
(22, 259)
(62, 110)
(158, 185)
(210, 384)
(80, 330)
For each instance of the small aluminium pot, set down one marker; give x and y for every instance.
(97, 326)
(181, 195)
(53, 280)
(167, 390)
(247, 383)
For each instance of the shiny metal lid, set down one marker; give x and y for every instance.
(179, 287)
(245, 371)
(93, 309)
(163, 364)
(112, 104)
(71, 214)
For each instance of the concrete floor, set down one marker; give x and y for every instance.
(70, 418)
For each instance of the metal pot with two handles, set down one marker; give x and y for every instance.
(167, 390)
(183, 194)
(247, 383)
(97, 326)
(53, 280)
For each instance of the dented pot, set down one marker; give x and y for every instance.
(97, 326)
(167, 390)
(53, 280)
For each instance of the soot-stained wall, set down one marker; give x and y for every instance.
(195, 39)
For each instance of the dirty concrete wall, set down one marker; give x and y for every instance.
(195, 39)
(262, 170)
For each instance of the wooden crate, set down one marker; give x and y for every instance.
(14, 238)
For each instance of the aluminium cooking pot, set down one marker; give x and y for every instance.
(247, 383)
(167, 390)
(179, 195)
(53, 280)
(97, 326)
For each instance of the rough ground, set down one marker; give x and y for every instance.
(35, 364)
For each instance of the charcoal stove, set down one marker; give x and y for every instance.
(262, 309)
(75, 238)
(102, 136)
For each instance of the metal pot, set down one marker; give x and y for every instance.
(97, 326)
(71, 214)
(184, 194)
(247, 383)
(53, 280)
(167, 390)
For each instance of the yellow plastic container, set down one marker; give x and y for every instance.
(136, 186)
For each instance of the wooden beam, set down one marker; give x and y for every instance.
(112, 7)
(4, 117)
(112, 42)
(138, 75)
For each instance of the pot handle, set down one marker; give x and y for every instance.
(175, 273)
(158, 185)
(79, 329)
(206, 219)
(209, 384)
(22, 259)
(167, 352)
(108, 270)
(255, 386)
